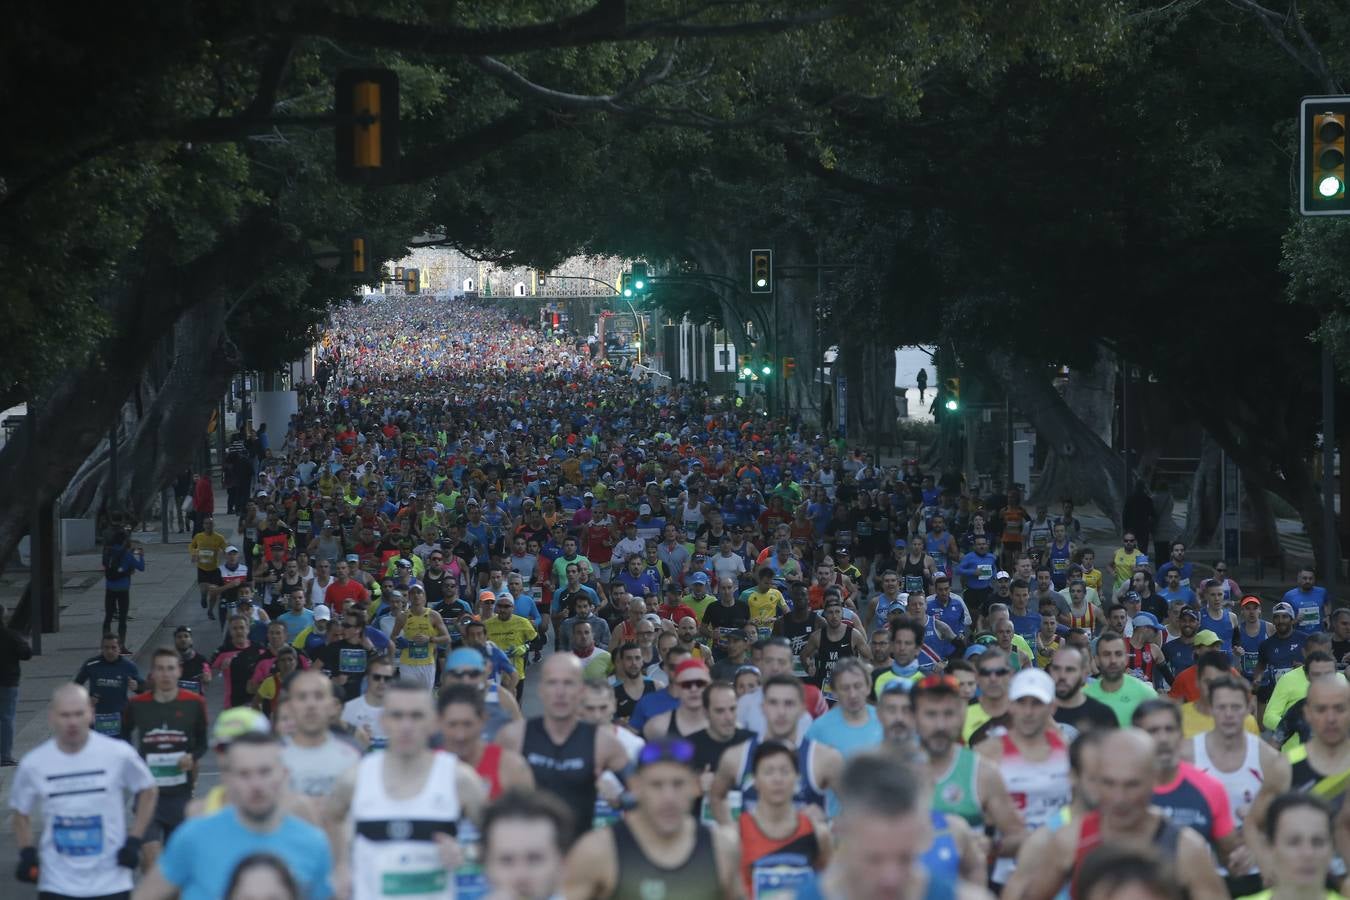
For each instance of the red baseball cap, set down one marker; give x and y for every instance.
(1250, 601)
(690, 664)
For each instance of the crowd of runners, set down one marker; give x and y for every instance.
(765, 665)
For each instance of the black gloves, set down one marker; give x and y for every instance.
(27, 869)
(130, 854)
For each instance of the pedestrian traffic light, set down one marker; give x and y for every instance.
(761, 271)
(412, 281)
(1322, 152)
(789, 366)
(358, 255)
(366, 132)
(952, 387)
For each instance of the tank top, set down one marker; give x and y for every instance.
(1059, 565)
(418, 654)
(827, 654)
(957, 791)
(1250, 646)
(807, 791)
(1242, 784)
(942, 859)
(1038, 788)
(1087, 619)
(1221, 626)
(567, 769)
(497, 716)
(913, 575)
(1165, 840)
(937, 548)
(776, 866)
(489, 769)
(641, 879)
(1140, 662)
(393, 851)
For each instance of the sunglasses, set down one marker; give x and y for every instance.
(350, 625)
(697, 685)
(994, 673)
(929, 682)
(381, 677)
(679, 751)
(463, 673)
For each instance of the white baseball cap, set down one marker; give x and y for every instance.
(322, 613)
(1035, 683)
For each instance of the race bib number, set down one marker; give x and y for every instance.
(705, 811)
(419, 651)
(108, 723)
(164, 768)
(913, 583)
(351, 661)
(1060, 566)
(604, 814)
(193, 686)
(78, 835)
(206, 557)
(412, 870)
(779, 876)
(470, 882)
(984, 571)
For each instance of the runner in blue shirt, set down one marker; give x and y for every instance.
(111, 679)
(1279, 653)
(1309, 602)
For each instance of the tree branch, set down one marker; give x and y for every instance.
(273, 72)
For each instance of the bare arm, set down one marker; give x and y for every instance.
(335, 824)
(23, 830)
(514, 771)
(727, 844)
(1042, 866)
(808, 654)
(609, 753)
(998, 808)
(1276, 777)
(442, 635)
(972, 847)
(657, 726)
(155, 886)
(591, 869)
(472, 792)
(1195, 870)
(507, 701)
(724, 779)
(144, 812)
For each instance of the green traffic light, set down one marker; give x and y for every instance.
(767, 370)
(628, 292)
(761, 282)
(746, 372)
(1330, 186)
(639, 284)
(952, 405)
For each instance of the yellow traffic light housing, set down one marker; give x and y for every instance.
(366, 133)
(761, 271)
(952, 387)
(412, 281)
(1322, 153)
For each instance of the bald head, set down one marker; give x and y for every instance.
(70, 715)
(1329, 688)
(1130, 749)
(69, 693)
(562, 665)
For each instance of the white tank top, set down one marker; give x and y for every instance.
(1039, 789)
(1242, 784)
(393, 851)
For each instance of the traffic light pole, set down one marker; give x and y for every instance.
(1330, 547)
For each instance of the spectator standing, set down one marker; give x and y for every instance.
(13, 650)
(121, 557)
(203, 501)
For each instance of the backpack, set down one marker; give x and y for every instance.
(113, 567)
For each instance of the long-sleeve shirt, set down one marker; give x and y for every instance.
(977, 571)
(122, 561)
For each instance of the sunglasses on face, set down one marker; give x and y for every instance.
(994, 673)
(697, 685)
(374, 677)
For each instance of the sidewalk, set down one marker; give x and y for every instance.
(169, 576)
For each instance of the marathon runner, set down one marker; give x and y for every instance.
(112, 678)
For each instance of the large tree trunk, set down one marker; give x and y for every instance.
(1091, 394)
(1205, 502)
(1082, 465)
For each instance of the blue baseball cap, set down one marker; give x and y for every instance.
(1145, 620)
(698, 578)
(465, 658)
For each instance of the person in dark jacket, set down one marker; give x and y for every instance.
(13, 650)
(121, 556)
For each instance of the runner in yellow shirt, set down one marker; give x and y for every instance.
(765, 601)
(512, 633)
(206, 549)
(417, 633)
(1124, 561)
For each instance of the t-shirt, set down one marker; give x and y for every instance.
(337, 595)
(83, 811)
(766, 605)
(832, 730)
(207, 550)
(108, 685)
(1308, 607)
(295, 622)
(315, 770)
(202, 854)
(1090, 714)
(358, 712)
(1132, 692)
(514, 633)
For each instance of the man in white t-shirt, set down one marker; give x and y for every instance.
(362, 713)
(79, 777)
(313, 755)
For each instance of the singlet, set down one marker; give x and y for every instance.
(414, 654)
(1165, 840)
(957, 791)
(497, 716)
(1242, 784)
(489, 769)
(1250, 646)
(1038, 789)
(913, 575)
(1222, 626)
(942, 859)
(1087, 620)
(776, 866)
(808, 792)
(1059, 565)
(937, 548)
(394, 853)
(827, 654)
(1140, 662)
(567, 769)
(641, 879)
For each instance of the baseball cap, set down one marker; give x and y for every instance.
(506, 595)
(322, 613)
(698, 578)
(237, 722)
(352, 557)
(1205, 638)
(1283, 609)
(1034, 683)
(1189, 612)
(975, 650)
(588, 496)
(666, 750)
(405, 563)
(644, 510)
(1130, 597)
(183, 629)
(232, 549)
(485, 594)
(465, 658)
(1250, 601)
(1145, 620)
(695, 665)
(1000, 575)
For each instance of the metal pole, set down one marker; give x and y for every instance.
(1331, 563)
(1125, 427)
(166, 510)
(112, 467)
(36, 549)
(820, 341)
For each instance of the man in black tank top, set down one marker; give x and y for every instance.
(658, 850)
(826, 646)
(566, 754)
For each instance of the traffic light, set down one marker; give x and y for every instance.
(366, 133)
(952, 387)
(761, 271)
(743, 369)
(641, 281)
(398, 273)
(412, 281)
(1322, 152)
(626, 284)
(358, 255)
(789, 367)
(766, 368)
